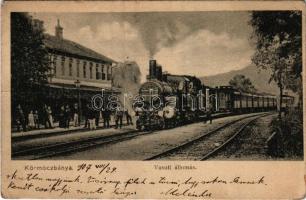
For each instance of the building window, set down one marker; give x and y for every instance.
(78, 68)
(108, 73)
(70, 66)
(103, 73)
(97, 72)
(84, 69)
(90, 70)
(63, 65)
(70, 69)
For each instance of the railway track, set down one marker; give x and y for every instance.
(73, 146)
(206, 145)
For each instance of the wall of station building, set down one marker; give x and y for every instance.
(67, 67)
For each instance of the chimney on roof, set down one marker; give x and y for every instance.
(59, 30)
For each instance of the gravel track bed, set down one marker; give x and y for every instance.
(200, 148)
(251, 145)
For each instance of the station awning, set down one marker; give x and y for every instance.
(84, 88)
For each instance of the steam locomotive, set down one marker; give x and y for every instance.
(171, 100)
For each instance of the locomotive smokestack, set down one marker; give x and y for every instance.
(152, 69)
(159, 72)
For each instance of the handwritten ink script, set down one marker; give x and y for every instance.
(106, 180)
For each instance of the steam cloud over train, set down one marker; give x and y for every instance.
(170, 100)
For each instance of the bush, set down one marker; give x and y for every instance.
(289, 134)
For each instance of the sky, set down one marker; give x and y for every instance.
(193, 43)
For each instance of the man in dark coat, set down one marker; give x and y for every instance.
(67, 115)
(97, 117)
(209, 113)
(106, 118)
(128, 117)
(61, 117)
(86, 115)
(119, 116)
(45, 117)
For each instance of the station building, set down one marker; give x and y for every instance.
(77, 72)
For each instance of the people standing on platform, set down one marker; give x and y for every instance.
(97, 117)
(50, 117)
(76, 115)
(45, 117)
(61, 117)
(67, 116)
(209, 113)
(128, 117)
(92, 119)
(31, 122)
(119, 116)
(106, 118)
(20, 119)
(86, 115)
(36, 119)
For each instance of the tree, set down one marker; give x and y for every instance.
(29, 60)
(242, 83)
(279, 47)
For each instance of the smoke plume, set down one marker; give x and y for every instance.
(126, 76)
(159, 30)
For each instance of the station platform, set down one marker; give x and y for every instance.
(56, 131)
(72, 129)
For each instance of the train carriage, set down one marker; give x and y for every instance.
(237, 101)
(274, 102)
(265, 103)
(260, 102)
(287, 101)
(225, 95)
(255, 102)
(249, 101)
(271, 103)
(243, 102)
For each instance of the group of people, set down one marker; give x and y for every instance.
(67, 114)
(119, 117)
(92, 117)
(33, 119)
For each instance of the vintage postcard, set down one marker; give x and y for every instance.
(153, 100)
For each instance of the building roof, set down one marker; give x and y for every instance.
(67, 46)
